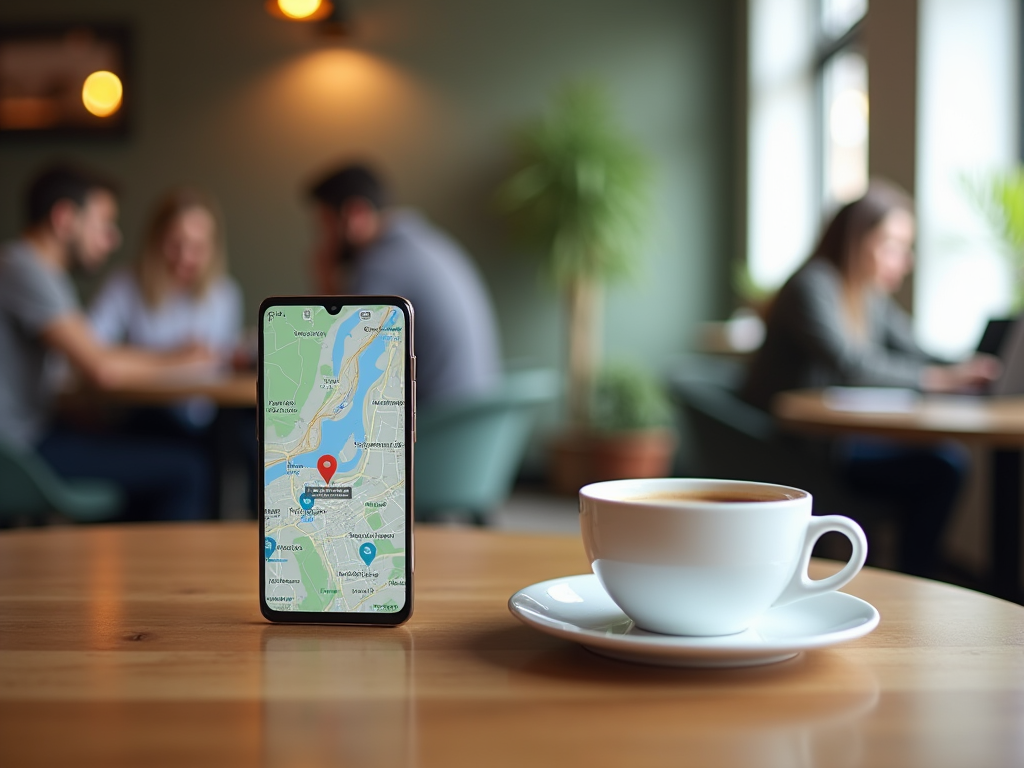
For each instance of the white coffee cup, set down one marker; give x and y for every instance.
(682, 556)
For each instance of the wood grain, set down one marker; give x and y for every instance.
(143, 645)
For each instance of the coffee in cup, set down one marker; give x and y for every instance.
(683, 556)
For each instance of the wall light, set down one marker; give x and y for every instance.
(299, 10)
(331, 14)
(102, 92)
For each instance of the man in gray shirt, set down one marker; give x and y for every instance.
(72, 223)
(367, 249)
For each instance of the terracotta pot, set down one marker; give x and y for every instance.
(579, 458)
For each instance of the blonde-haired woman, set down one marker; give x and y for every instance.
(177, 293)
(835, 323)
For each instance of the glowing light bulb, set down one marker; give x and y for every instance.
(101, 93)
(299, 9)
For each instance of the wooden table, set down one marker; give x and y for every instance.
(143, 646)
(231, 390)
(233, 393)
(995, 423)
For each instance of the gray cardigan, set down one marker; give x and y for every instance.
(807, 342)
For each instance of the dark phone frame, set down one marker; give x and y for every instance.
(349, 618)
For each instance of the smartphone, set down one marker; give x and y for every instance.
(337, 393)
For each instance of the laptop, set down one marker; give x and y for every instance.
(995, 334)
(1011, 353)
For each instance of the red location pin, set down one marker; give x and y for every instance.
(327, 466)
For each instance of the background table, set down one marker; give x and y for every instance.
(994, 423)
(233, 390)
(144, 646)
(229, 443)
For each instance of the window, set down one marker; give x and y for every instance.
(808, 139)
(842, 75)
(783, 187)
(808, 126)
(967, 124)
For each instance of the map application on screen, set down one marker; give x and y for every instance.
(334, 458)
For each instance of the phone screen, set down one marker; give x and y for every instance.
(335, 389)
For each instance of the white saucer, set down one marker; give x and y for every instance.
(577, 608)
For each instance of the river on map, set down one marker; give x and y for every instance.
(335, 433)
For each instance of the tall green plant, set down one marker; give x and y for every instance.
(578, 194)
(999, 197)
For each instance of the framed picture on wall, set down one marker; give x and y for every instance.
(64, 80)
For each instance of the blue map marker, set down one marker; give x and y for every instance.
(269, 545)
(368, 551)
(306, 501)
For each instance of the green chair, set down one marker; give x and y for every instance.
(468, 453)
(30, 491)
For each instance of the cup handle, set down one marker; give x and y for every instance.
(802, 585)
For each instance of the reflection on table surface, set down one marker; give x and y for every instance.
(144, 646)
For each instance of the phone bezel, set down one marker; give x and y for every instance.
(350, 618)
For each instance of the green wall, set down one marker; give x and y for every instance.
(250, 107)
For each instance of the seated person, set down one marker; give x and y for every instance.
(177, 292)
(71, 224)
(834, 322)
(365, 248)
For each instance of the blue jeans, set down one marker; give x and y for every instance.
(163, 479)
(921, 481)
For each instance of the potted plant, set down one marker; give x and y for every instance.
(578, 194)
(630, 433)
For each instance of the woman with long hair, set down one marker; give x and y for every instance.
(835, 323)
(177, 293)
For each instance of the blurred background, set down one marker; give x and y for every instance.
(228, 97)
(758, 118)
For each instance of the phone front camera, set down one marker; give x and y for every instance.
(333, 309)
